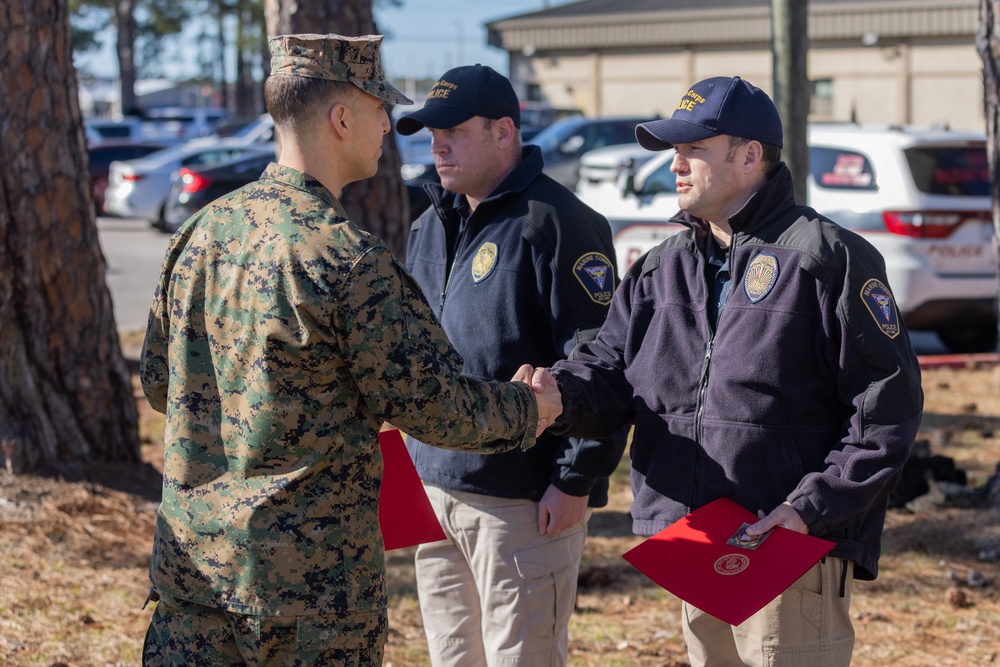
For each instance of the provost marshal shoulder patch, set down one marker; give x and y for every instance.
(878, 300)
(760, 277)
(595, 273)
(484, 262)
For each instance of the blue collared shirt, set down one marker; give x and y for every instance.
(717, 273)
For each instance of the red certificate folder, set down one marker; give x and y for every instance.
(695, 560)
(404, 513)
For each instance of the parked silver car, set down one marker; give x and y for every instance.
(564, 141)
(181, 123)
(139, 188)
(258, 131)
(98, 130)
(603, 166)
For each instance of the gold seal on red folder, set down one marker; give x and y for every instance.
(732, 564)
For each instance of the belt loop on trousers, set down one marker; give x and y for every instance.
(152, 597)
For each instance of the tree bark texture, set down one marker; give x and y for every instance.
(65, 392)
(378, 205)
(988, 45)
(792, 92)
(126, 33)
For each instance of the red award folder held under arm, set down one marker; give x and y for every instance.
(705, 560)
(405, 514)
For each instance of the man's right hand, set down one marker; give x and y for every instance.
(546, 392)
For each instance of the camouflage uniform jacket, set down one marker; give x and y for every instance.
(280, 338)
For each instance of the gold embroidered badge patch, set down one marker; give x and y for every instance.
(760, 277)
(484, 262)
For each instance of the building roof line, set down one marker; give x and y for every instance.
(741, 22)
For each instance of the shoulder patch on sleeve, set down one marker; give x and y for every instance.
(878, 300)
(597, 276)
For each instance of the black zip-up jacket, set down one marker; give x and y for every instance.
(531, 276)
(808, 391)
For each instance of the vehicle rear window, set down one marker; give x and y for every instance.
(103, 156)
(950, 170)
(662, 179)
(623, 132)
(170, 118)
(210, 157)
(114, 131)
(837, 169)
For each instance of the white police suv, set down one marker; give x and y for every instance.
(919, 195)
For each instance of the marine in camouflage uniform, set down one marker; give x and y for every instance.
(281, 337)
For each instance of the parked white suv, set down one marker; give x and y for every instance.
(636, 204)
(919, 195)
(602, 166)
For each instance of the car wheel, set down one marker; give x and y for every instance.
(969, 340)
(168, 227)
(161, 220)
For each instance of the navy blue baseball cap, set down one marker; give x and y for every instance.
(460, 94)
(720, 105)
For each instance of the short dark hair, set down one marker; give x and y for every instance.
(771, 157)
(293, 100)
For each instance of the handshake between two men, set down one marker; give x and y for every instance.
(546, 394)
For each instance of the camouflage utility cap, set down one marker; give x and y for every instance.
(334, 58)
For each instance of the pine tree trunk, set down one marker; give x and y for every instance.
(125, 50)
(988, 45)
(65, 393)
(378, 205)
(220, 84)
(790, 85)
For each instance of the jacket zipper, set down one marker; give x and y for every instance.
(705, 369)
(699, 413)
(459, 247)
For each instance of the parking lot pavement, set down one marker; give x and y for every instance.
(134, 253)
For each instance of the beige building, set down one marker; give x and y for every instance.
(870, 61)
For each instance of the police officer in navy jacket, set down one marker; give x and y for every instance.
(519, 271)
(761, 357)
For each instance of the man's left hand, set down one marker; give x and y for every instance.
(783, 515)
(558, 511)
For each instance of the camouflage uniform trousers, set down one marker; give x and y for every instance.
(183, 633)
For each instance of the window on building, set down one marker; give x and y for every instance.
(821, 103)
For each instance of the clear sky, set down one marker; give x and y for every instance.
(426, 37)
(423, 38)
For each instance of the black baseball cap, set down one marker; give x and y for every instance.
(460, 94)
(719, 105)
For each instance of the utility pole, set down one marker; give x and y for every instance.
(988, 45)
(792, 91)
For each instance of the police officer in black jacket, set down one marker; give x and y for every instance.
(761, 357)
(519, 271)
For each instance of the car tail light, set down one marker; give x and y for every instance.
(929, 224)
(132, 178)
(193, 181)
